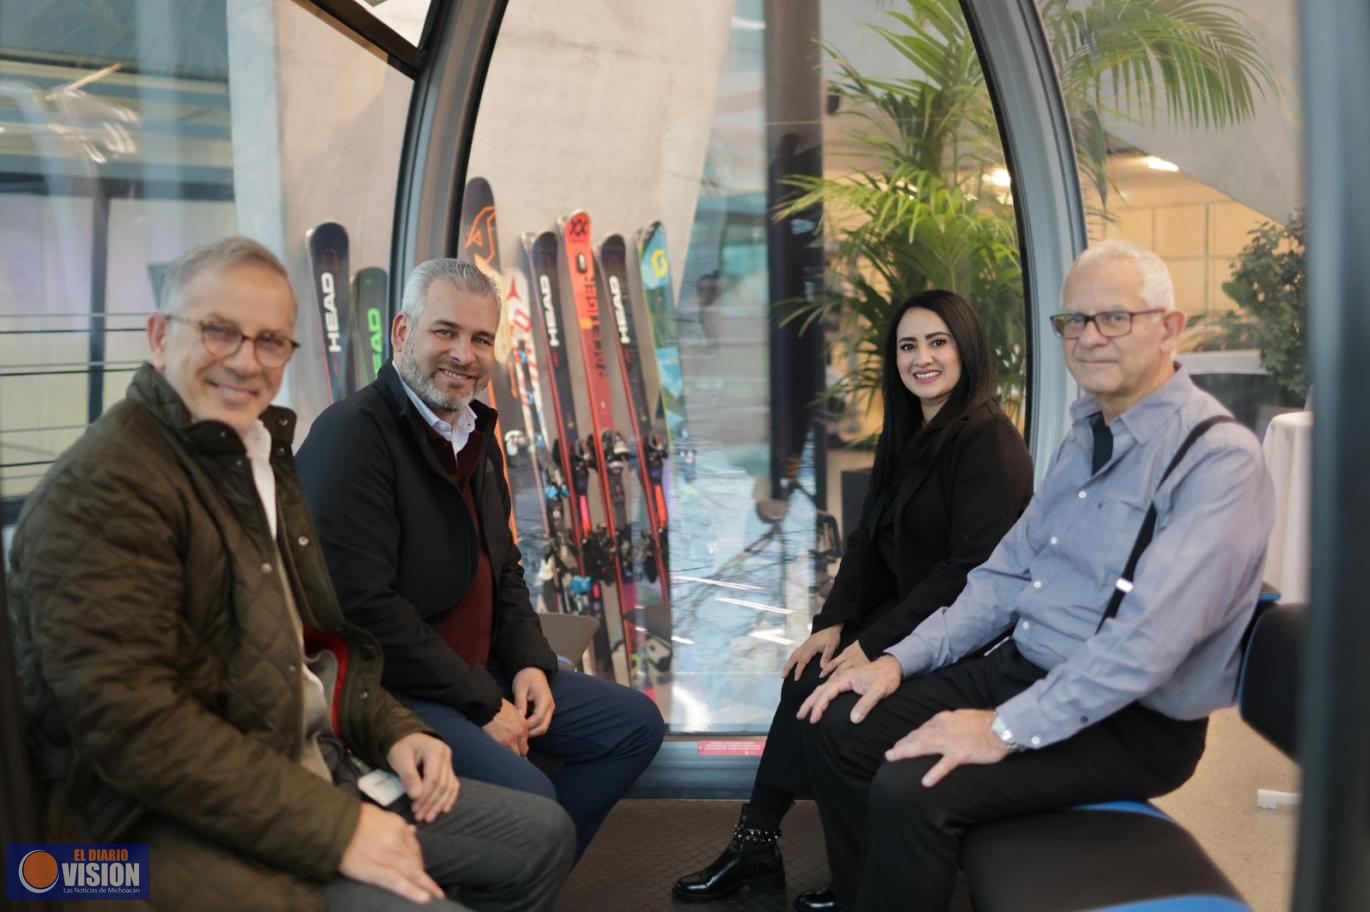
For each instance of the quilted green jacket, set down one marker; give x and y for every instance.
(158, 663)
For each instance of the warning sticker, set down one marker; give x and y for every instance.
(734, 747)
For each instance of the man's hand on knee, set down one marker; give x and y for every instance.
(510, 728)
(424, 765)
(384, 852)
(532, 691)
(873, 682)
(960, 736)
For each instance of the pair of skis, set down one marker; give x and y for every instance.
(580, 557)
(352, 312)
(655, 272)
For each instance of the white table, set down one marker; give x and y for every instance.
(1289, 458)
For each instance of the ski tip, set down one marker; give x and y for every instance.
(578, 230)
(325, 227)
(574, 216)
(649, 232)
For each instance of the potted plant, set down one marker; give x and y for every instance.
(1269, 283)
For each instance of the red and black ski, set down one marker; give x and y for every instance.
(582, 567)
(328, 264)
(607, 446)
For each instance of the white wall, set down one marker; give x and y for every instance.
(602, 106)
(318, 125)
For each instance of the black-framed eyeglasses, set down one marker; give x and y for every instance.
(1111, 323)
(222, 340)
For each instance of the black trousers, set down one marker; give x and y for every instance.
(782, 761)
(893, 844)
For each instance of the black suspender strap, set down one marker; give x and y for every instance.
(1124, 584)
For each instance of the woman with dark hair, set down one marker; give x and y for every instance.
(951, 476)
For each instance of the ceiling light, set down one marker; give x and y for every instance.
(1160, 164)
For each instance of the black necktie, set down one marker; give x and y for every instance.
(1103, 443)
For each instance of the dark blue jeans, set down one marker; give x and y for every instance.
(602, 734)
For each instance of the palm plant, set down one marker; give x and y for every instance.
(917, 209)
(1120, 57)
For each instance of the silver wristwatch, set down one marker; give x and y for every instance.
(1001, 731)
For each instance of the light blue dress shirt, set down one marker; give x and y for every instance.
(1175, 642)
(458, 432)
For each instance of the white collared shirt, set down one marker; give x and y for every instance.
(257, 442)
(457, 432)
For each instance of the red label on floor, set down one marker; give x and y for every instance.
(739, 747)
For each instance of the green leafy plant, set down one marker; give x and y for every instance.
(920, 207)
(1269, 282)
(1120, 58)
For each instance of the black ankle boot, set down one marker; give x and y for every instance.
(816, 901)
(751, 858)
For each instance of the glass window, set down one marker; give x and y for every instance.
(407, 17)
(1200, 162)
(779, 184)
(132, 131)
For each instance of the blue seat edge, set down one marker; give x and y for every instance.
(1189, 903)
(1127, 807)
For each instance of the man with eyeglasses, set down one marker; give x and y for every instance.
(187, 676)
(1102, 687)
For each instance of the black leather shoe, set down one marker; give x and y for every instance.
(752, 859)
(816, 901)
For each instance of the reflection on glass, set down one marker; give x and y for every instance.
(131, 132)
(1186, 136)
(406, 17)
(798, 202)
(116, 147)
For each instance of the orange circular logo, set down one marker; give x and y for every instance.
(38, 871)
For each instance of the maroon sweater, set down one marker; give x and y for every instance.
(470, 626)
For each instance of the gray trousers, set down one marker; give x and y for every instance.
(497, 850)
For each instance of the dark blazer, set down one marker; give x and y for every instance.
(949, 514)
(401, 548)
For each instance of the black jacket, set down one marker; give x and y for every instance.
(401, 548)
(949, 514)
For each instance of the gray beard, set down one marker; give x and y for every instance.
(423, 386)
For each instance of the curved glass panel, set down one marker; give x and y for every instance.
(780, 175)
(132, 131)
(1188, 138)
